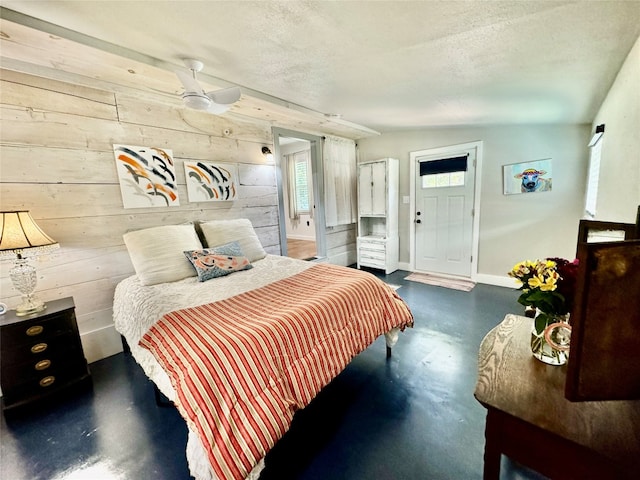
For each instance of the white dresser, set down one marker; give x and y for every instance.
(378, 241)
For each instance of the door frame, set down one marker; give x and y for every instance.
(450, 151)
(318, 188)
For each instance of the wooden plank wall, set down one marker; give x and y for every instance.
(56, 160)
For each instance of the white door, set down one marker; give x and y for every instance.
(444, 217)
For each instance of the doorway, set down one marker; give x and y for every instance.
(444, 199)
(299, 182)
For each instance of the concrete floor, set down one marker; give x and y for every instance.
(412, 417)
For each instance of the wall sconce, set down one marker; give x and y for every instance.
(18, 233)
(267, 153)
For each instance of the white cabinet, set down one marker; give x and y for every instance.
(378, 242)
(372, 183)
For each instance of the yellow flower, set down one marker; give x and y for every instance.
(536, 281)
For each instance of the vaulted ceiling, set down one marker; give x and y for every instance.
(383, 65)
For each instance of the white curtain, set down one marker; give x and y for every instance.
(339, 160)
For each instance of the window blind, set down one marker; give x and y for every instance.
(445, 165)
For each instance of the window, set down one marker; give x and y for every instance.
(438, 180)
(302, 183)
(594, 172)
(298, 191)
(448, 172)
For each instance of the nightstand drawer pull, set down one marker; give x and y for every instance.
(47, 381)
(42, 365)
(35, 330)
(39, 348)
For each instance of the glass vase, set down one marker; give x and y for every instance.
(550, 344)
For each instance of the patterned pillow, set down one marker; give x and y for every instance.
(219, 261)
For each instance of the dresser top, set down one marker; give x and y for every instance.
(54, 306)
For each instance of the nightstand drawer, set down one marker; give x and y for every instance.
(45, 383)
(35, 366)
(41, 354)
(55, 347)
(33, 330)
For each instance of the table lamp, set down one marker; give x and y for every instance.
(19, 234)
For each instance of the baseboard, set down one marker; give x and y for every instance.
(101, 343)
(497, 280)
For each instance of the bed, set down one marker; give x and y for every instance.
(240, 352)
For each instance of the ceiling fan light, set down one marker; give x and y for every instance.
(195, 101)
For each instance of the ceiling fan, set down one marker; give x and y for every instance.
(194, 96)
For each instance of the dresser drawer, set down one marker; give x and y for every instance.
(365, 261)
(372, 254)
(370, 244)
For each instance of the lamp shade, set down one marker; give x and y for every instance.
(18, 231)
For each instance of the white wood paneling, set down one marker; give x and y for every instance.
(56, 160)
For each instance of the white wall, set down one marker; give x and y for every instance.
(619, 189)
(514, 227)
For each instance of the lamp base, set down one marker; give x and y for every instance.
(29, 306)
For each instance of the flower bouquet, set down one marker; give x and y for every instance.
(549, 287)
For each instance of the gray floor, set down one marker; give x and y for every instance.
(412, 417)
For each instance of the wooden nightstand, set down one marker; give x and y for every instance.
(41, 354)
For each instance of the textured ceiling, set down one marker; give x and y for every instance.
(386, 65)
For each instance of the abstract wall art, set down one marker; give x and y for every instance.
(147, 176)
(209, 182)
(527, 177)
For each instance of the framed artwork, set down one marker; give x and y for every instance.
(147, 176)
(211, 182)
(527, 177)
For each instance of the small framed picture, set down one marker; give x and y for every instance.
(527, 177)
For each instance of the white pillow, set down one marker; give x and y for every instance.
(219, 232)
(157, 253)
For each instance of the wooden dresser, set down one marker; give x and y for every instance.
(41, 354)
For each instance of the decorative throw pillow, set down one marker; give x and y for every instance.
(157, 252)
(219, 232)
(219, 261)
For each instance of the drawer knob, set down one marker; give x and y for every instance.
(47, 381)
(35, 330)
(39, 348)
(43, 364)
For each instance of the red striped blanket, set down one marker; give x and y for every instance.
(241, 367)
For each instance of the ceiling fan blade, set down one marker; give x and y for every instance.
(189, 83)
(226, 96)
